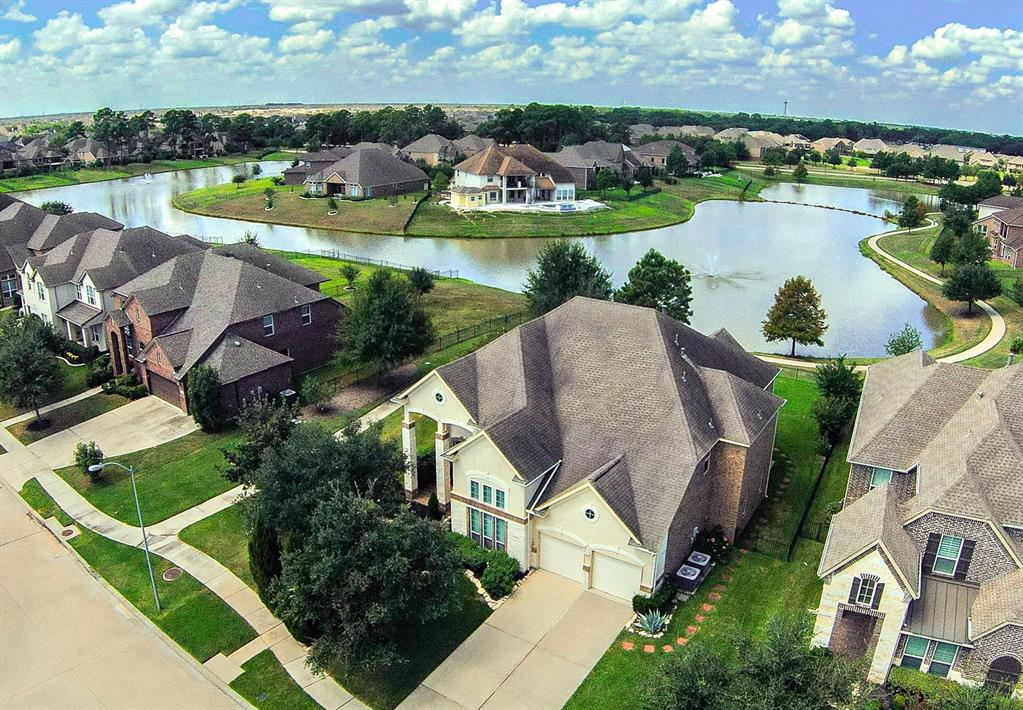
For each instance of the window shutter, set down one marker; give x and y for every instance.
(931, 552)
(964, 559)
(855, 590)
(876, 602)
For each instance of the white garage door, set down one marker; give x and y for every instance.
(615, 577)
(560, 557)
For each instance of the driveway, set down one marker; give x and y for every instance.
(533, 652)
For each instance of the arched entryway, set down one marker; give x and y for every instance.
(1003, 674)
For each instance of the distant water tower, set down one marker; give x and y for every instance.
(786, 110)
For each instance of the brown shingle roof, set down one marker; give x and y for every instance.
(371, 168)
(1011, 217)
(999, 601)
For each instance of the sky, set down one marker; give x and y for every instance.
(948, 63)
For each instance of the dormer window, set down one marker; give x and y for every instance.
(41, 290)
(880, 476)
(90, 295)
(78, 292)
(948, 555)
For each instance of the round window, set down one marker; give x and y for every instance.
(439, 396)
(590, 514)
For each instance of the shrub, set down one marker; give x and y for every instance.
(1016, 292)
(332, 204)
(264, 558)
(909, 682)
(88, 454)
(126, 386)
(433, 506)
(204, 398)
(349, 272)
(421, 279)
(499, 576)
(277, 180)
(658, 601)
(472, 556)
(1016, 346)
(316, 393)
(770, 171)
(652, 622)
(238, 180)
(99, 371)
(715, 543)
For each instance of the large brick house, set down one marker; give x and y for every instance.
(923, 567)
(253, 317)
(596, 442)
(1004, 229)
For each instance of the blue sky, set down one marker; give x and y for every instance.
(955, 63)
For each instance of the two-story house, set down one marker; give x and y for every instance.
(923, 567)
(1004, 229)
(512, 174)
(597, 441)
(253, 317)
(70, 286)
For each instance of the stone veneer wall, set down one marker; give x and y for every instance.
(1007, 641)
(990, 558)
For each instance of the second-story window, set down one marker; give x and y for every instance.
(90, 295)
(307, 314)
(865, 595)
(268, 325)
(948, 554)
(78, 291)
(41, 290)
(880, 476)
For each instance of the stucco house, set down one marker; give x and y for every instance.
(87, 151)
(823, 145)
(367, 173)
(1013, 164)
(923, 567)
(253, 317)
(871, 146)
(597, 441)
(983, 159)
(1004, 229)
(513, 174)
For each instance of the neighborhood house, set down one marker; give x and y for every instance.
(513, 174)
(1004, 229)
(597, 441)
(367, 173)
(585, 160)
(923, 567)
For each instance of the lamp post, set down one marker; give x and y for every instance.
(97, 468)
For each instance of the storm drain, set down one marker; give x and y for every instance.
(171, 574)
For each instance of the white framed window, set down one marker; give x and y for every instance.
(880, 476)
(96, 333)
(948, 555)
(914, 653)
(41, 290)
(268, 325)
(488, 530)
(499, 499)
(307, 314)
(865, 595)
(90, 295)
(474, 490)
(590, 513)
(488, 494)
(78, 292)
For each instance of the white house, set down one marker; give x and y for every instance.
(514, 174)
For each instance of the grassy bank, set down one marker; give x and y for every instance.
(66, 417)
(967, 330)
(63, 178)
(225, 537)
(246, 202)
(841, 179)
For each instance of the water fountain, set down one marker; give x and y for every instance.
(714, 276)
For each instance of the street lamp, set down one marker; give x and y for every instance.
(98, 468)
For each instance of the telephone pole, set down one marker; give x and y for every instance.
(786, 111)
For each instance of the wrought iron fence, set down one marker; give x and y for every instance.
(386, 263)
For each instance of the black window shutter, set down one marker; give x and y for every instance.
(965, 556)
(876, 602)
(931, 552)
(855, 590)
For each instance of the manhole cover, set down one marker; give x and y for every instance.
(262, 698)
(67, 532)
(171, 574)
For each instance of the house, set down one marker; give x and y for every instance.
(514, 174)
(823, 145)
(596, 442)
(71, 284)
(871, 146)
(755, 141)
(38, 154)
(431, 149)
(1004, 229)
(367, 173)
(730, 135)
(1013, 164)
(309, 163)
(692, 131)
(656, 154)
(253, 317)
(383, 147)
(585, 160)
(998, 203)
(86, 151)
(911, 149)
(950, 152)
(797, 141)
(923, 566)
(471, 144)
(982, 159)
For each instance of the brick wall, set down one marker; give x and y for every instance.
(727, 469)
(692, 512)
(990, 558)
(756, 473)
(859, 483)
(308, 345)
(1007, 641)
(234, 395)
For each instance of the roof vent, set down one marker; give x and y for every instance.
(237, 343)
(980, 395)
(711, 423)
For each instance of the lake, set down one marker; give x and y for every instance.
(739, 253)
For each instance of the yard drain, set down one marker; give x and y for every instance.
(171, 574)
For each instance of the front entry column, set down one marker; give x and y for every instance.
(408, 447)
(443, 443)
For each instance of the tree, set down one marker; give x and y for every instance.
(971, 282)
(677, 164)
(838, 380)
(28, 370)
(421, 280)
(942, 249)
(958, 218)
(440, 182)
(564, 270)
(606, 179)
(238, 180)
(800, 172)
(349, 272)
(257, 170)
(645, 178)
(264, 557)
(250, 237)
(971, 248)
(265, 424)
(361, 580)
(905, 341)
(913, 212)
(1016, 293)
(56, 207)
(316, 393)
(627, 184)
(661, 283)
(269, 193)
(796, 315)
(204, 398)
(387, 322)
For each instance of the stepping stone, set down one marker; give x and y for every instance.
(707, 607)
(743, 550)
(667, 648)
(681, 641)
(714, 597)
(649, 648)
(690, 630)
(699, 618)
(628, 645)
(719, 587)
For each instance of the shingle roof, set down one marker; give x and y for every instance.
(371, 168)
(430, 143)
(493, 161)
(594, 383)
(1010, 217)
(472, 143)
(1005, 202)
(273, 263)
(664, 148)
(55, 229)
(79, 313)
(999, 600)
(872, 521)
(235, 357)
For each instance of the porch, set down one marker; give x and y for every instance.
(83, 324)
(420, 480)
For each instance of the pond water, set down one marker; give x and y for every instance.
(739, 253)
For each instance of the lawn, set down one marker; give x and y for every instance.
(266, 685)
(246, 202)
(224, 537)
(192, 615)
(72, 382)
(66, 417)
(426, 428)
(63, 178)
(832, 489)
(914, 248)
(171, 477)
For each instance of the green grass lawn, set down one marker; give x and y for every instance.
(247, 202)
(426, 429)
(66, 417)
(171, 478)
(192, 615)
(833, 484)
(72, 382)
(224, 537)
(266, 685)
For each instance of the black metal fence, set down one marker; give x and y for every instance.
(386, 263)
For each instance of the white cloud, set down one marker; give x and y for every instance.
(9, 49)
(139, 13)
(16, 13)
(305, 41)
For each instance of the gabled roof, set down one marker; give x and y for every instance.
(472, 143)
(870, 144)
(493, 161)
(1004, 202)
(327, 155)
(664, 148)
(872, 522)
(998, 602)
(370, 168)
(731, 134)
(618, 395)
(430, 143)
(1011, 217)
(55, 229)
(235, 357)
(273, 263)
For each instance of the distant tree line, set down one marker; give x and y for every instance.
(399, 126)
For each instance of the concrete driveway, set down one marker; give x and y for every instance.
(533, 652)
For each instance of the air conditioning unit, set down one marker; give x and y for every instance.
(688, 578)
(700, 560)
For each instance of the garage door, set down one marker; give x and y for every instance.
(164, 388)
(615, 577)
(560, 557)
